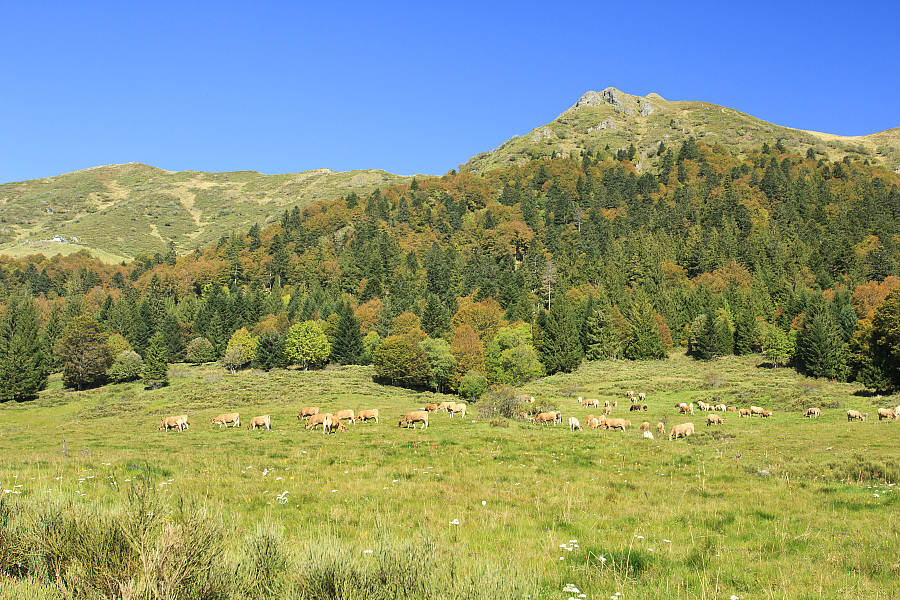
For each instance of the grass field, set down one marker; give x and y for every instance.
(479, 507)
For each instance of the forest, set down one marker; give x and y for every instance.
(464, 281)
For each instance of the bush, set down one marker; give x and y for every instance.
(200, 350)
(127, 366)
(473, 385)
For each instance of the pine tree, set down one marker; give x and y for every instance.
(270, 353)
(171, 331)
(23, 363)
(644, 341)
(156, 363)
(346, 344)
(561, 344)
(743, 333)
(821, 350)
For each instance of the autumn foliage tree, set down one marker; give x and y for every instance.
(468, 351)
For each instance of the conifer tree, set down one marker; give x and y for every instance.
(171, 331)
(156, 363)
(23, 362)
(270, 353)
(561, 344)
(346, 344)
(644, 340)
(821, 351)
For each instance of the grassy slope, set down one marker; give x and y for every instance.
(756, 508)
(123, 210)
(594, 127)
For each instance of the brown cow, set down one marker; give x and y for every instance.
(307, 412)
(411, 418)
(444, 406)
(367, 415)
(683, 430)
(574, 425)
(346, 415)
(431, 407)
(457, 409)
(616, 424)
(260, 422)
(642, 396)
(634, 407)
(317, 419)
(855, 415)
(744, 412)
(645, 426)
(886, 413)
(756, 410)
(332, 424)
(178, 422)
(226, 418)
(544, 418)
(714, 420)
(661, 429)
(812, 412)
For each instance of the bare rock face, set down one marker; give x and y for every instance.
(622, 102)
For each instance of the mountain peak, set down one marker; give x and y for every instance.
(622, 102)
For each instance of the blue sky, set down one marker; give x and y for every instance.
(409, 87)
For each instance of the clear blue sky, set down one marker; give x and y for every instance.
(409, 87)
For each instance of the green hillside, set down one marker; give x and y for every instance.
(119, 211)
(616, 119)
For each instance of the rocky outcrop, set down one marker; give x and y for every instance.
(620, 101)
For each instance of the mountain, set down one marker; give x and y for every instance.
(119, 211)
(616, 119)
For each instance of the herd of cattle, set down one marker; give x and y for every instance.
(334, 422)
(330, 422)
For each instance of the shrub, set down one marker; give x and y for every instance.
(473, 385)
(200, 350)
(127, 366)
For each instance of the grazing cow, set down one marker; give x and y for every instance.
(606, 403)
(766, 414)
(648, 435)
(855, 415)
(683, 430)
(714, 420)
(317, 419)
(332, 424)
(645, 408)
(886, 413)
(731, 409)
(346, 415)
(756, 410)
(661, 429)
(687, 408)
(702, 405)
(645, 426)
(417, 416)
(307, 412)
(744, 412)
(615, 403)
(444, 406)
(431, 407)
(178, 422)
(634, 407)
(721, 407)
(367, 415)
(593, 423)
(642, 396)
(591, 402)
(616, 424)
(226, 418)
(557, 418)
(629, 394)
(680, 404)
(457, 409)
(574, 425)
(544, 418)
(260, 422)
(812, 412)
(607, 410)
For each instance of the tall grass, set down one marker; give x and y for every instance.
(757, 508)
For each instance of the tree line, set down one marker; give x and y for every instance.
(462, 281)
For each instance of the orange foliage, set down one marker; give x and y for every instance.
(868, 296)
(485, 317)
(406, 323)
(468, 350)
(367, 314)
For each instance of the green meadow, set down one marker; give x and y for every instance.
(96, 502)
